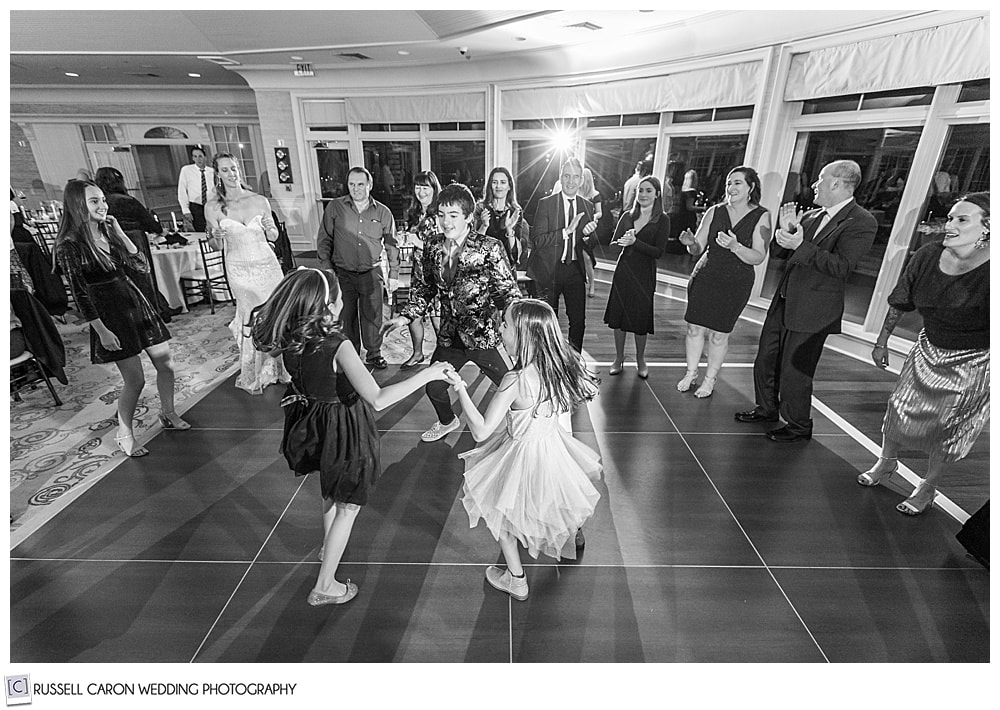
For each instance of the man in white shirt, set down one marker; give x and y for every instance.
(195, 184)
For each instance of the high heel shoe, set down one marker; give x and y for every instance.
(616, 369)
(706, 388)
(874, 475)
(411, 363)
(171, 420)
(127, 445)
(921, 499)
(687, 382)
(642, 372)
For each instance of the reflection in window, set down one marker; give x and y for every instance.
(392, 165)
(613, 161)
(460, 161)
(536, 169)
(235, 140)
(964, 168)
(333, 165)
(885, 156)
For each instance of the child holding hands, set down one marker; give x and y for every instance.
(531, 482)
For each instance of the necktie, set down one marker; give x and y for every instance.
(450, 263)
(569, 251)
(824, 219)
(204, 188)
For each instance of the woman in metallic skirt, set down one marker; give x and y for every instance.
(942, 399)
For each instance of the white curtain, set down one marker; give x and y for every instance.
(730, 85)
(417, 109)
(948, 54)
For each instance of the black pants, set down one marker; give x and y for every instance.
(361, 316)
(197, 216)
(490, 361)
(784, 368)
(569, 282)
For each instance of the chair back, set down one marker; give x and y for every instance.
(214, 263)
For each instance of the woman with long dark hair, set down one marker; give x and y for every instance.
(732, 239)
(642, 232)
(499, 216)
(422, 220)
(96, 257)
(240, 221)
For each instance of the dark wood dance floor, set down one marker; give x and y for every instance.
(710, 543)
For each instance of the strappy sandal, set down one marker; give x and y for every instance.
(687, 382)
(921, 499)
(706, 388)
(874, 476)
(171, 420)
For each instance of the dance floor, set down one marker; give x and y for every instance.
(710, 543)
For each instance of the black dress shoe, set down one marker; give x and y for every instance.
(784, 435)
(753, 415)
(378, 363)
(580, 540)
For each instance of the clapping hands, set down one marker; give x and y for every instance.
(727, 240)
(512, 220)
(789, 217)
(686, 237)
(627, 239)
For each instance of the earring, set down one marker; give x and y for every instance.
(983, 241)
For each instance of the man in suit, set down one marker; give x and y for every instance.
(563, 223)
(471, 276)
(194, 185)
(820, 250)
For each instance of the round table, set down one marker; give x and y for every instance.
(172, 261)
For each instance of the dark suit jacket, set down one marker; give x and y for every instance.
(817, 271)
(547, 238)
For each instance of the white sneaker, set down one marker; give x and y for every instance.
(503, 580)
(439, 430)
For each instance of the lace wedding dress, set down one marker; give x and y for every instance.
(254, 272)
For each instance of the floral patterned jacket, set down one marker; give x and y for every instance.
(472, 305)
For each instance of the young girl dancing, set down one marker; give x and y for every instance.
(531, 482)
(329, 422)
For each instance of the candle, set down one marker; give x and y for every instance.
(173, 219)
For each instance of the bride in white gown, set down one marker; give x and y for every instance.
(242, 221)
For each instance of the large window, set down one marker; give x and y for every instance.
(613, 162)
(392, 165)
(235, 140)
(964, 167)
(460, 161)
(536, 169)
(885, 156)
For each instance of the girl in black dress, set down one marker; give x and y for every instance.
(97, 257)
(733, 236)
(329, 420)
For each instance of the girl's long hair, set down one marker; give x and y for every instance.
(295, 317)
(657, 204)
(564, 378)
(220, 187)
(415, 212)
(74, 227)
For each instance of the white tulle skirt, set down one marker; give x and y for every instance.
(533, 482)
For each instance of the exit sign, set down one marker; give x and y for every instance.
(304, 70)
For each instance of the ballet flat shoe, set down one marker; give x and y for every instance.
(320, 599)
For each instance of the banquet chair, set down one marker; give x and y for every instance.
(402, 293)
(210, 278)
(21, 376)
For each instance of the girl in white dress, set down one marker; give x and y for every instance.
(239, 221)
(531, 482)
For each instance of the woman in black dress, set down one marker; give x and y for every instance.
(96, 257)
(499, 216)
(421, 220)
(722, 279)
(135, 220)
(642, 232)
(942, 399)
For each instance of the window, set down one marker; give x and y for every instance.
(551, 124)
(98, 133)
(628, 119)
(918, 96)
(328, 129)
(536, 169)
(392, 165)
(166, 133)
(975, 91)
(613, 161)
(458, 126)
(460, 161)
(964, 167)
(235, 140)
(885, 156)
(727, 113)
(389, 127)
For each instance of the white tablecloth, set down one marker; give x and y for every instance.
(170, 263)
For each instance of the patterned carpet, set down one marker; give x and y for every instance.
(58, 452)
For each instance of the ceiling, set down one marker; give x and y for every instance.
(164, 47)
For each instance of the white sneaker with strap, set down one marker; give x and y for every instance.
(439, 430)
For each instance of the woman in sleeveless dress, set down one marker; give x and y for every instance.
(240, 222)
(722, 279)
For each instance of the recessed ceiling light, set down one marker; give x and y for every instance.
(193, 75)
(403, 52)
(520, 39)
(70, 73)
(296, 58)
(645, 10)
